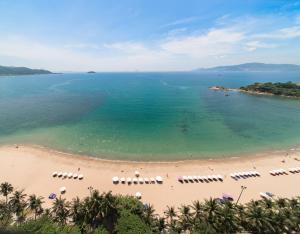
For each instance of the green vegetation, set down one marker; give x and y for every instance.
(15, 71)
(105, 213)
(288, 89)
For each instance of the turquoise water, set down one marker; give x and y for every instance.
(147, 116)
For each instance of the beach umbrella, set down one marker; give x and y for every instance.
(190, 178)
(122, 180)
(159, 179)
(59, 174)
(180, 179)
(65, 174)
(220, 177)
(185, 178)
(195, 178)
(146, 180)
(62, 189)
(138, 195)
(70, 175)
(141, 180)
(52, 196)
(135, 180)
(152, 180)
(115, 179)
(75, 176)
(128, 180)
(137, 173)
(80, 176)
(54, 174)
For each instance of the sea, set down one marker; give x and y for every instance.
(148, 116)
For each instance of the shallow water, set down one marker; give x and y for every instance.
(147, 116)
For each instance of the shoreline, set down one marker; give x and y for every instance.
(31, 168)
(220, 88)
(236, 157)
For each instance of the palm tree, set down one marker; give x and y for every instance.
(256, 219)
(170, 215)
(60, 210)
(196, 207)
(148, 214)
(226, 220)
(35, 204)
(18, 203)
(5, 189)
(185, 217)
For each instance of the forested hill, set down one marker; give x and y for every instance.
(255, 67)
(14, 71)
(288, 89)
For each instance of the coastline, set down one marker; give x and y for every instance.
(220, 88)
(31, 167)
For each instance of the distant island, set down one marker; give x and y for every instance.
(288, 89)
(16, 71)
(91, 72)
(254, 67)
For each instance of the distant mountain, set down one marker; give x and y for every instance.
(254, 67)
(15, 71)
(91, 72)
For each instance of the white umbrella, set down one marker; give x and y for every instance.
(195, 177)
(65, 174)
(134, 180)
(80, 176)
(138, 195)
(122, 180)
(115, 179)
(62, 189)
(137, 173)
(59, 174)
(128, 180)
(75, 176)
(184, 177)
(159, 179)
(54, 174)
(146, 180)
(70, 175)
(152, 180)
(141, 180)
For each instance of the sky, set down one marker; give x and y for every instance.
(147, 35)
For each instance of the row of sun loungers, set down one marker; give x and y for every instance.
(278, 172)
(66, 175)
(244, 175)
(129, 180)
(294, 170)
(191, 179)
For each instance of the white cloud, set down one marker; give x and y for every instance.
(128, 47)
(284, 33)
(254, 45)
(179, 22)
(214, 42)
(82, 46)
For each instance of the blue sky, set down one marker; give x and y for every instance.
(152, 35)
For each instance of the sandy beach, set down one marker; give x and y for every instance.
(30, 168)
